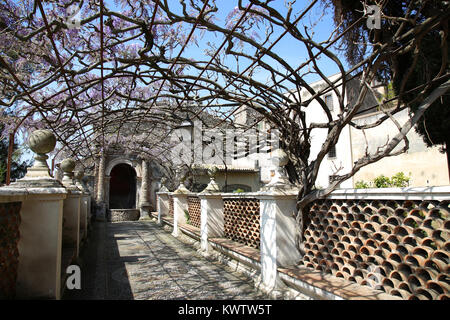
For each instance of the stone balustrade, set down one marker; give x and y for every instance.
(228, 222)
(49, 217)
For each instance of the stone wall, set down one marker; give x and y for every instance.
(9, 254)
(399, 246)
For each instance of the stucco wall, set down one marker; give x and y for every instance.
(428, 167)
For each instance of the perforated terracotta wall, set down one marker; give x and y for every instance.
(9, 255)
(194, 210)
(242, 223)
(400, 247)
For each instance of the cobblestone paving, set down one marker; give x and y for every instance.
(139, 260)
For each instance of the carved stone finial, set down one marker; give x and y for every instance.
(279, 180)
(212, 186)
(78, 176)
(40, 142)
(67, 166)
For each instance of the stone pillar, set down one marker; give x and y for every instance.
(100, 213)
(144, 200)
(39, 269)
(277, 234)
(84, 205)
(180, 204)
(71, 211)
(162, 204)
(211, 218)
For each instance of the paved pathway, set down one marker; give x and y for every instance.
(139, 260)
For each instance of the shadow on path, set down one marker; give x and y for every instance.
(139, 260)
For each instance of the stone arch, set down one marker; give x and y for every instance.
(122, 187)
(114, 161)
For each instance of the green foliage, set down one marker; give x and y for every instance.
(188, 217)
(399, 180)
(362, 185)
(382, 182)
(239, 190)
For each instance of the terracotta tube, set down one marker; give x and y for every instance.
(443, 297)
(365, 251)
(350, 217)
(395, 257)
(356, 225)
(423, 294)
(348, 269)
(348, 254)
(353, 232)
(385, 211)
(436, 265)
(412, 260)
(418, 213)
(369, 227)
(405, 286)
(431, 223)
(415, 282)
(405, 270)
(393, 221)
(403, 250)
(402, 231)
(386, 246)
(341, 231)
(412, 222)
(386, 228)
(422, 233)
(441, 255)
(396, 278)
(388, 266)
(400, 293)
(330, 230)
(393, 239)
(346, 239)
(375, 259)
(380, 236)
(357, 241)
(388, 285)
(429, 242)
(371, 243)
(435, 288)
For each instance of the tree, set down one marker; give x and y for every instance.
(18, 168)
(426, 63)
(138, 61)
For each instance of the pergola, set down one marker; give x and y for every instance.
(87, 69)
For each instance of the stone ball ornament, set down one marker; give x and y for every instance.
(67, 165)
(79, 174)
(280, 158)
(42, 141)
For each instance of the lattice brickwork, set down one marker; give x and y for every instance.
(9, 255)
(242, 222)
(194, 211)
(400, 246)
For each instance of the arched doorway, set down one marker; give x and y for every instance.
(122, 187)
